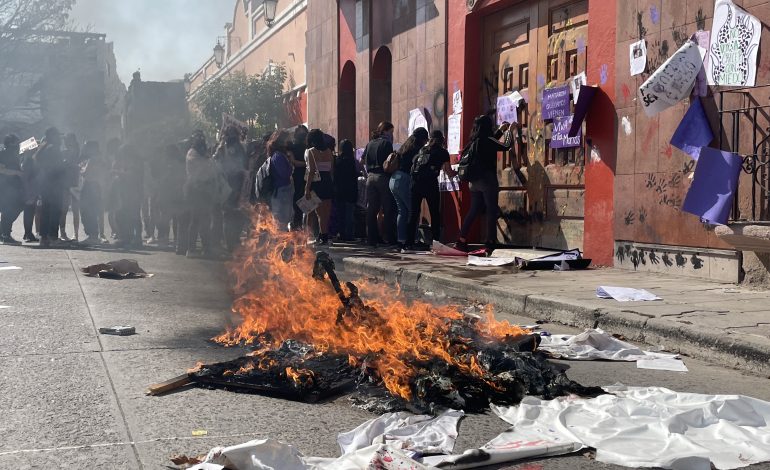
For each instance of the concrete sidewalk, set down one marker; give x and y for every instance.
(722, 323)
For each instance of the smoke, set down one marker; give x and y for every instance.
(163, 38)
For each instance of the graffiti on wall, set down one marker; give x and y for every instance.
(673, 258)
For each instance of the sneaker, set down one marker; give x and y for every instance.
(462, 246)
(31, 239)
(64, 237)
(91, 241)
(9, 240)
(104, 240)
(151, 241)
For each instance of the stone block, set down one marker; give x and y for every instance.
(704, 263)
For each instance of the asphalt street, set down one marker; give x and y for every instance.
(72, 398)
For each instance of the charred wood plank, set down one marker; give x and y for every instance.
(169, 385)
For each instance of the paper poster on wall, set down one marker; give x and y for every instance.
(556, 102)
(457, 102)
(673, 80)
(506, 110)
(575, 83)
(735, 39)
(637, 53)
(703, 38)
(417, 119)
(453, 134)
(559, 136)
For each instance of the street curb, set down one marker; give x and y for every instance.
(745, 352)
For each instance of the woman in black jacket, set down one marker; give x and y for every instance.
(346, 190)
(484, 186)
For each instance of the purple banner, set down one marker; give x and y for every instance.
(713, 187)
(560, 138)
(694, 131)
(581, 108)
(556, 102)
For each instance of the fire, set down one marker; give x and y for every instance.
(277, 299)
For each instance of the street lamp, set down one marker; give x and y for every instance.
(219, 54)
(270, 7)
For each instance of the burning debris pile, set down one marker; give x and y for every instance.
(314, 338)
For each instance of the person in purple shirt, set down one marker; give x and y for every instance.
(281, 203)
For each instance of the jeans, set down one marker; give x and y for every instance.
(427, 190)
(401, 187)
(378, 196)
(484, 195)
(282, 206)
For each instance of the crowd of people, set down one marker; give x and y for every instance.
(200, 192)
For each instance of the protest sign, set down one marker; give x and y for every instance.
(228, 120)
(637, 53)
(556, 102)
(506, 110)
(694, 130)
(575, 83)
(713, 187)
(673, 81)
(457, 102)
(27, 145)
(703, 38)
(559, 136)
(735, 39)
(453, 134)
(417, 119)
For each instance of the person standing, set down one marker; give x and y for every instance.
(11, 188)
(31, 196)
(296, 154)
(378, 195)
(424, 173)
(93, 170)
(200, 191)
(281, 170)
(129, 174)
(346, 190)
(50, 181)
(484, 186)
(110, 195)
(71, 159)
(401, 182)
(319, 161)
(167, 200)
(232, 159)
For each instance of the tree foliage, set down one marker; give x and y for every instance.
(23, 19)
(253, 99)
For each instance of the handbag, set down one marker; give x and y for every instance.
(392, 163)
(316, 174)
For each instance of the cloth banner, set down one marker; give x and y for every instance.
(694, 131)
(735, 37)
(716, 179)
(673, 80)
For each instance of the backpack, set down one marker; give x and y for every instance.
(264, 186)
(421, 165)
(468, 167)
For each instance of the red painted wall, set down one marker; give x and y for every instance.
(599, 235)
(347, 12)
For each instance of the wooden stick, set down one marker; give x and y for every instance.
(169, 385)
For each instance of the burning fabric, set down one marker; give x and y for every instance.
(121, 269)
(314, 337)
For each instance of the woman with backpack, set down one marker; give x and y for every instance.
(319, 179)
(431, 159)
(401, 182)
(479, 168)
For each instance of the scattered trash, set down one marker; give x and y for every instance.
(121, 269)
(4, 306)
(529, 327)
(479, 261)
(200, 433)
(572, 259)
(625, 294)
(650, 427)
(118, 330)
(444, 250)
(563, 266)
(9, 268)
(596, 344)
(662, 363)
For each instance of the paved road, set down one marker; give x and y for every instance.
(71, 398)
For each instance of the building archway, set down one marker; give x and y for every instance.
(347, 103)
(381, 87)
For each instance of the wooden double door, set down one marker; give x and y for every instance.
(528, 47)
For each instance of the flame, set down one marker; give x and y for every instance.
(277, 299)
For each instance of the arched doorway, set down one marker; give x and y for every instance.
(380, 87)
(347, 103)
